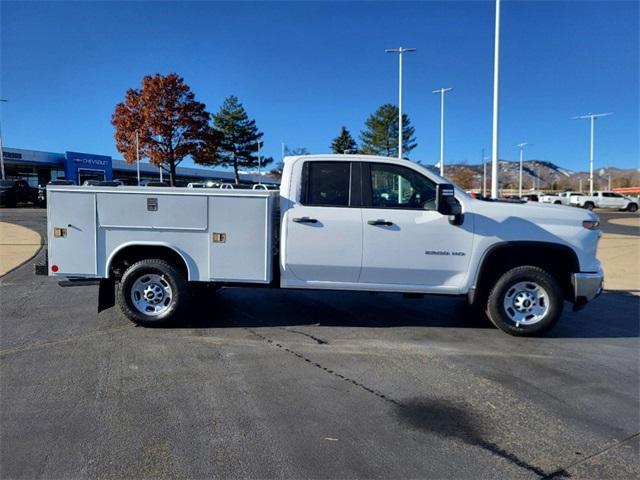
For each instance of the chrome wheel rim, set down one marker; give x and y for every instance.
(151, 294)
(526, 303)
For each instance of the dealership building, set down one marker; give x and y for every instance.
(38, 168)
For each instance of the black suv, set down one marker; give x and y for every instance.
(13, 192)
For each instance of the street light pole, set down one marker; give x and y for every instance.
(138, 157)
(1, 151)
(496, 80)
(259, 162)
(442, 91)
(521, 147)
(400, 51)
(592, 117)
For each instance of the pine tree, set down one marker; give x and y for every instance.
(238, 137)
(344, 143)
(381, 134)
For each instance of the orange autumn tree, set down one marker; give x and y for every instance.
(170, 123)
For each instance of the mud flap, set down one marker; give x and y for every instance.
(106, 294)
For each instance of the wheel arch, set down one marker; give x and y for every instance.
(558, 259)
(131, 252)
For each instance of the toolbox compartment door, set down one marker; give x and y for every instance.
(152, 211)
(73, 250)
(240, 238)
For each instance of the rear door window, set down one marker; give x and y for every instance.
(326, 184)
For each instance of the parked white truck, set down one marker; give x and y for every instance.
(563, 198)
(339, 222)
(610, 200)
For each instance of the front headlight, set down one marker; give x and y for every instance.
(591, 224)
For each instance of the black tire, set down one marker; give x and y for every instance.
(167, 273)
(557, 202)
(589, 205)
(504, 287)
(632, 207)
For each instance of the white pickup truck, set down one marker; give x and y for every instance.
(563, 198)
(602, 199)
(339, 222)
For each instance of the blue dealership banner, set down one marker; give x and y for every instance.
(75, 163)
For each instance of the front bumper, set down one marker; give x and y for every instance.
(586, 287)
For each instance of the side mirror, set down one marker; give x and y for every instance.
(446, 203)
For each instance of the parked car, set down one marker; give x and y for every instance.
(563, 198)
(531, 197)
(602, 199)
(102, 183)
(153, 183)
(42, 190)
(339, 222)
(13, 192)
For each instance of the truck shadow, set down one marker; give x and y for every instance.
(451, 421)
(613, 315)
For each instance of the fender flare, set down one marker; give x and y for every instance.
(146, 244)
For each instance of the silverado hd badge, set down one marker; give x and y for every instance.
(445, 253)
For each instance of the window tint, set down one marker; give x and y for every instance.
(393, 186)
(327, 183)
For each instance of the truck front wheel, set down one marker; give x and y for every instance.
(525, 301)
(152, 292)
(632, 207)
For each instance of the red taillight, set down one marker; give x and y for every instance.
(54, 268)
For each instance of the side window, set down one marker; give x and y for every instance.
(608, 195)
(326, 184)
(394, 186)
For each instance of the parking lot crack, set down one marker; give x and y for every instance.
(319, 341)
(38, 345)
(409, 410)
(589, 457)
(325, 369)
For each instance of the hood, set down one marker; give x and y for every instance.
(542, 212)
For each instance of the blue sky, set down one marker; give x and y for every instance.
(304, 69)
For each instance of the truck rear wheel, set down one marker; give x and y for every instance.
(525, 301)
(152, 292)
(589, 205)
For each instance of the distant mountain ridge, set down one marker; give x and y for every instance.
(541, 174)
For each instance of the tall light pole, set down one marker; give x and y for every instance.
(521, 147)
(259, 162)
(484, 174)
(442, 91)
(496, 81)
(400, 51)
(592, 117)
(1, 152)
(138, 157)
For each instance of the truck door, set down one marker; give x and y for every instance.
(323, 240)
(405, 240)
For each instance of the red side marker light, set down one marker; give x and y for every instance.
(54, 268)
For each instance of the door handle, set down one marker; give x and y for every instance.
(380, 222)
(305, 220)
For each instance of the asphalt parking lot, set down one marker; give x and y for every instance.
(265, 384)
